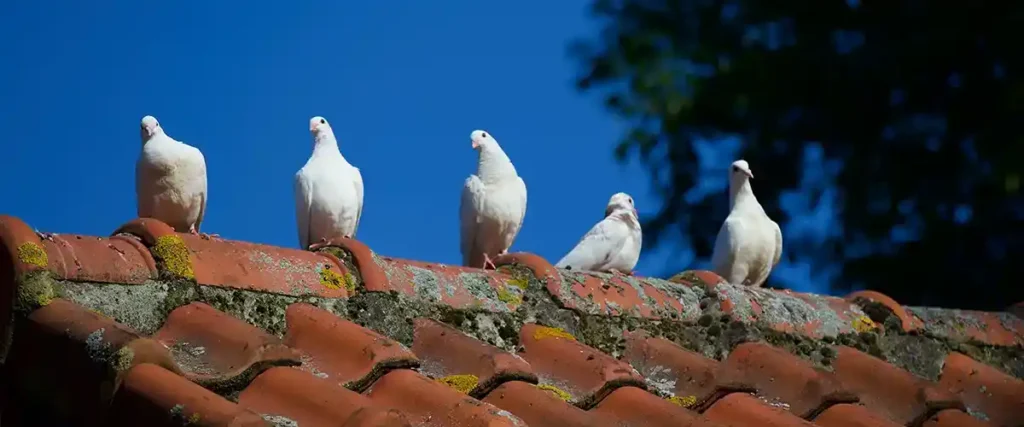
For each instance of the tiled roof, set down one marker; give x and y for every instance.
(149, 327)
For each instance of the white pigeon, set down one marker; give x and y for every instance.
(170, 180)
(613, 244)
(493, 204)
(328, 190)
(749, 244)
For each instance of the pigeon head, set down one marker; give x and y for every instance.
(620, 201)
(481, 139)
(740, 171)
(320, 129)
(149, 127)
(318, 124)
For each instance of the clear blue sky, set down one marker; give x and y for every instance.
(403, 84)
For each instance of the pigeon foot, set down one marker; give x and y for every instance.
(489, 263)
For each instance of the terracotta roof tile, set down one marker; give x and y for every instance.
(688, 375)
(313, 401)
(213, 356)
(785, 379)
(341, 351)
(954, 418)
(448, 352)
(587, 374)
(985, 390)
(632, 406)
(872, 300)
(539, 407)
(153, 327)
(883, 387)
(153, 396)
(741, 409)
(1003, 329)
(852, 415)
(428, 402)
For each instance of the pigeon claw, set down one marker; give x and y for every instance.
(489, 263)
(206, 236)
(624, 273)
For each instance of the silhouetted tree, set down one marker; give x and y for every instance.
(922, 103)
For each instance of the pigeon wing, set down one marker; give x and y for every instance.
(469, 218)
(598, 247)
(303, 206)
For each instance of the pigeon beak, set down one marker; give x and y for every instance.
(475, 144)
(749, 174)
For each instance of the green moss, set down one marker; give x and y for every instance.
(35, 290)
(179, 293)
(32, 254)
(172, 253)
(464, 383)
(544, 332)
(684, 401)
(122, 360)
(559, 393)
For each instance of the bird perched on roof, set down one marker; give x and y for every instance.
(749, 244)
(613, 244)
(493, 204)
(328, 190)
(170, 180)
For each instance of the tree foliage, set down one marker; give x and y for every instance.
(922, 102)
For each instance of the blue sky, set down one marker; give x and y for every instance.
(403, 84)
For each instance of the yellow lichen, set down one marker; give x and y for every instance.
(463, 383)
(559, 393)
(543, 332)
(684, 401)
(507, 297)
(33, 254)
(173, 253)
(863, 324)
(330, 278)
(519, 280)
(195, 418)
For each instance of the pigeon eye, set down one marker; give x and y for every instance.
(735, 168)
(484, 134)
(323, 122)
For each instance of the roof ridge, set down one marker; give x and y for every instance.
(175, 296)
